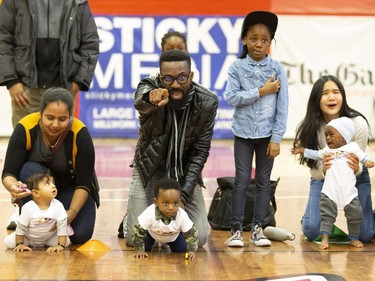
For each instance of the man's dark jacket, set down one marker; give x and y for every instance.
(151, 151)
(78, 43)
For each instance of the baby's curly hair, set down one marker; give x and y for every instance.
(166, 184)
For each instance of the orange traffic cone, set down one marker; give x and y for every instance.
(93, 246)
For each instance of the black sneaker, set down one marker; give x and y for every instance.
(235, 240)
(258, 238)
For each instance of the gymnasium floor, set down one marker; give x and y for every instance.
(291, 260)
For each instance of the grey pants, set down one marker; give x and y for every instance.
(35, 96)
(353, 214)
(140, 198)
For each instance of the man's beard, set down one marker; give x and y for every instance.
(179, 104)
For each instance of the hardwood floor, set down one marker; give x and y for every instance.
(215, 261)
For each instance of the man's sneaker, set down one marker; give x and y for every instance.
(235, 240)
(12, 221)
(257, 237)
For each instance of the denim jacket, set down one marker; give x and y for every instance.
(255, 116)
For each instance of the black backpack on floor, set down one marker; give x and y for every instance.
(220, 211)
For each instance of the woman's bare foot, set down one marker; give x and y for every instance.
(356, 243)
(324, 245)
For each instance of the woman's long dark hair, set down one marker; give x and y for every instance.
(307, 130)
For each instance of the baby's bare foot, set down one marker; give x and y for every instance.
(356, 243)
(324, 245)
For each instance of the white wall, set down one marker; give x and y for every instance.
(311, 46)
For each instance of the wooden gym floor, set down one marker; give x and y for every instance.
(291, 260)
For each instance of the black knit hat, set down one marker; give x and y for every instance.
(267, 18)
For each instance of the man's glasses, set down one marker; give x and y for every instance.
(168, 80)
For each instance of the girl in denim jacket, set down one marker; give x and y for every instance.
(257, 88)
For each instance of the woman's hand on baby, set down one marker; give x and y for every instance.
(19, 190)
(353, 162)
(327, 162)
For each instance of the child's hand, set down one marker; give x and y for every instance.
(190, 256)
(296, 150)
(140, 255)
(21, 248)
(56, 248)
(273, 150)
(369, 164)
(270, 87)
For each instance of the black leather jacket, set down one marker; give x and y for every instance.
(152, 148)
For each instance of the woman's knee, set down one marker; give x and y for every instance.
(366, 237)
(80, 238)
(309, 230)
(83, 225)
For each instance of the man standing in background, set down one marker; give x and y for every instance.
(43, 44)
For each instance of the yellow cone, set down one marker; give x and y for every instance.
(93, 246)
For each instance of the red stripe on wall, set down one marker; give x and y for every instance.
(231, 7)
(177, 7)
(324, 7)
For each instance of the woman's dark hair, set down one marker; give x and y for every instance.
(307, 130)
(57, 94)
(166, 184)
(170, 34)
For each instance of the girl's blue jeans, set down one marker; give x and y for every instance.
(244, 150)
